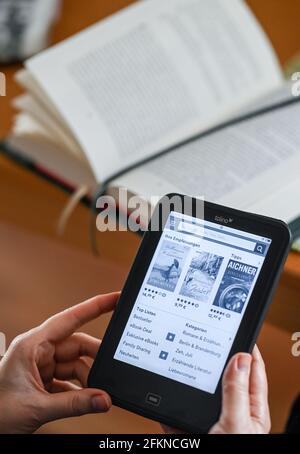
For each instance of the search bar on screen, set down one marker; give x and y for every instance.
(226, 238)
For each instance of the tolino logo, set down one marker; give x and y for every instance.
(296, 84)
(223, 220)
(2, 344)
(2, 84)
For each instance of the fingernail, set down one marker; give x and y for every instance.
(100, 403)
(243, 362)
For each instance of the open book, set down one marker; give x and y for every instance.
(151, 77)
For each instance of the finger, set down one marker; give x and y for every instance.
(259, 406)
(62, 325)
(76, 403)
(73, 370)
(235, 390)
(58, 386)
(77, 345)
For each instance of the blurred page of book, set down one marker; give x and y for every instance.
(154, 74)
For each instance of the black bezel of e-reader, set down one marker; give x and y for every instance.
(180, 405)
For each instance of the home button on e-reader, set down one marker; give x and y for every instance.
(153, 399)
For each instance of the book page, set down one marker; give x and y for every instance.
(29, 104)
(49, 153)
(249, 166)
(32, 87)
(154, 74)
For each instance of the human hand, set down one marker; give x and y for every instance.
(245, 408)
(35, 373)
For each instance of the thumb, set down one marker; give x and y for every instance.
(76, 403)
(235, 390)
